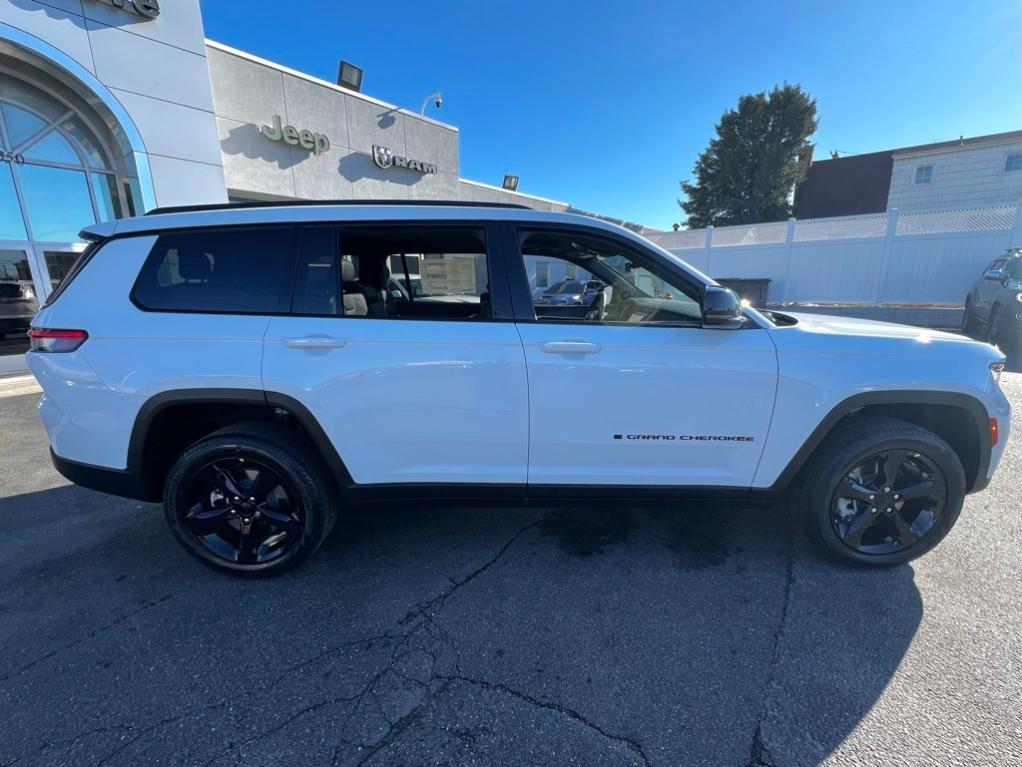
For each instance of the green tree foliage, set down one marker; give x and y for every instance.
(748, 172)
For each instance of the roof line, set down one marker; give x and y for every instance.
(309, 203)
(324, 83)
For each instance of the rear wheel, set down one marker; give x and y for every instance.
(252, 500)
(882, 492)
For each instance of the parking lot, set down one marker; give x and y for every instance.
(434, 636)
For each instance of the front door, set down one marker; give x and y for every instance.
(631, 389)
(404, 354)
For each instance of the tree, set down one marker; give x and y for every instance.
(761, 152)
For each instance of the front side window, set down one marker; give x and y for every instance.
(393, 273)
(235, 270)
(924, 174)
(614, 284)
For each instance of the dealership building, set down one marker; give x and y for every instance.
(109, 108)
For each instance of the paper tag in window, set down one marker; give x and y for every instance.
(448, 275)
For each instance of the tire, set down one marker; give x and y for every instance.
(295, 509)
(995, 327)
(969, 324)
(834, 521)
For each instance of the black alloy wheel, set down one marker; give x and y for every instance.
(252, 499)
(889, 502)
(880, 491)
(242, 511)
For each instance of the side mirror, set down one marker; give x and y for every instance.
(722, 308)
(994, 274)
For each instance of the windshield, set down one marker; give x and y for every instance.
(570, 286)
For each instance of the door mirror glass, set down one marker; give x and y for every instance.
(722, 307)
(995, 274)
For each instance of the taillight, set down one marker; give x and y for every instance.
(50, 340)
(994, 436)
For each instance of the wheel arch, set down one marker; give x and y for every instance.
(960, 419)
(183, 416)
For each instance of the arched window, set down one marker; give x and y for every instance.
(57, 174)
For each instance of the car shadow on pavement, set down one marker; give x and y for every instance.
(431, 635)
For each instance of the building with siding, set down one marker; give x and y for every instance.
(968, 172)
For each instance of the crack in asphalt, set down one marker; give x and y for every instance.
(420, 623)
(632, 744)
(759, 754)
(85, 637)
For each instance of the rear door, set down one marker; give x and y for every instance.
(401, 343)
(640, 394)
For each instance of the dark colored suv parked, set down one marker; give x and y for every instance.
(993, 308)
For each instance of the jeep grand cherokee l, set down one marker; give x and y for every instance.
(252, 367)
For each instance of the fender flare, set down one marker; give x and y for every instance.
(205, 396)
(856, 402)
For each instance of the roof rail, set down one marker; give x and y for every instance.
(300, 203)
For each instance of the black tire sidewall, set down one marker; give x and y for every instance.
(302, 480)
(821, 491)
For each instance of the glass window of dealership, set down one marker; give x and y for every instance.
(109, 108)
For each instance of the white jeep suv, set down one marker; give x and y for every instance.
(256, 368)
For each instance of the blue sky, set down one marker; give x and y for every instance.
(606, 105)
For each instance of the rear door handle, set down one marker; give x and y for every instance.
(314, 342)
(569, 347)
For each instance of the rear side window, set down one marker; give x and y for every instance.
(237, 270)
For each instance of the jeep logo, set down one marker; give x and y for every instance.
(149, 9)
(316, 143)
(385, 158)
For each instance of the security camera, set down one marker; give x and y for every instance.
(438, 100)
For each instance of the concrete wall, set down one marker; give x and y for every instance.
(136, 58)
(962, 177)
(248, 92)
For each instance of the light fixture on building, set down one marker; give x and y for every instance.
(349, 76)
(438, 101)
(510, 182)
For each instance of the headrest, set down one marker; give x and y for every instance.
(347, 271)
(194, 265)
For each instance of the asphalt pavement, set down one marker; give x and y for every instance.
(453, 636)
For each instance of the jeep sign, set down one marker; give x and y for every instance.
(148, 9)
(316, 143)
(385, 158)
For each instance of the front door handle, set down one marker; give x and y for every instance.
(314, 342)
(569, 347)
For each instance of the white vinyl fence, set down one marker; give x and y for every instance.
(927, 258)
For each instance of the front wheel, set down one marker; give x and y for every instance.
(252, 500)
(882, 492)
(969, 325)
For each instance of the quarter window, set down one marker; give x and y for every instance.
(237, 270)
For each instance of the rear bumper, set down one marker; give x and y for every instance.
(127, 484)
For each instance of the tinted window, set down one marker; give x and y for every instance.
(630, 288)
(398, 273)
(233, 270)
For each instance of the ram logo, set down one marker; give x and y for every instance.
(382, 156)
